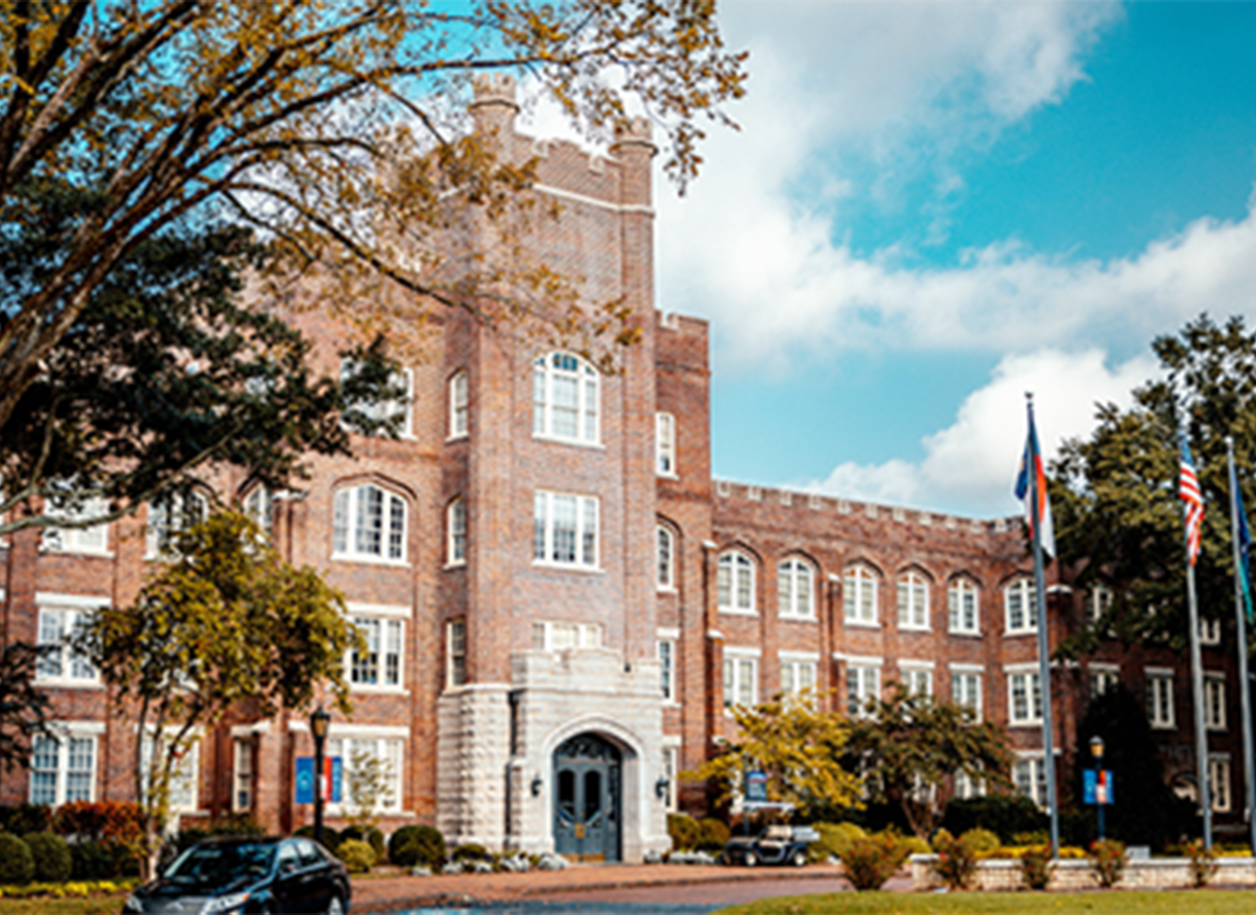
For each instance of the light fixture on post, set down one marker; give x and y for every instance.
(536, 785)
(320, 721)
(661, 786)
(1101, 788)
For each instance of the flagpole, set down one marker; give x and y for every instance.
(1240, 615)
(1197, 682)
(1044, 659)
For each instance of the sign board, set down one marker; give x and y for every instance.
(332, 782)
(1097, 786)
(756, 787)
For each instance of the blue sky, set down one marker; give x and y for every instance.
(933, 207)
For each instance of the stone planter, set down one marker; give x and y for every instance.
(1147, 874)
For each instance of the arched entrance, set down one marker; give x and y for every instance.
(587, 793)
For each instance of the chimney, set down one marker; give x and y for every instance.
(494, 107)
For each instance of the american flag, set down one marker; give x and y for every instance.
(1188, 489)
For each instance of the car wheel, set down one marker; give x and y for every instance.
(751, 859)
(799, 859)
(336, 906)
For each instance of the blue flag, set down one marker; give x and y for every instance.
(1245, 545)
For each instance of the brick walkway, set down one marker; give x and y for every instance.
(384, 894)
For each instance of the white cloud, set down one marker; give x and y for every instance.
(970, 465)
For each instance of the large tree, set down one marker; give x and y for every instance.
(23, 708)
(332, 124)
(226, 621)
(908, 747)
(1119, 520)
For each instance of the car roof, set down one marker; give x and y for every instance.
(241, 840)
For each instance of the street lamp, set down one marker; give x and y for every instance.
(320, 721)
(1096, 750)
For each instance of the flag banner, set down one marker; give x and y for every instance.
(1244, 571)
(1188, 490)
(1031, 462)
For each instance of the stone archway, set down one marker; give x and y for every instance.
(588, 799)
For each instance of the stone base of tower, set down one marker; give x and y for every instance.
(496, 745)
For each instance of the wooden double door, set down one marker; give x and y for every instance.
(587, 799)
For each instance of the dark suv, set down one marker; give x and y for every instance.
(232, 875)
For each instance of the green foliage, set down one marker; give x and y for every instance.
(17, 865)
(713, 834)
(1037, 866)
(23, 708)
(1006, 815)
(470, 851)
(366, 785)
(371, 836)
(1203, 862)
(331, 838)
(798, 746)
(956, 863)
(869, 861)
(914, 845)
(836, 836)
(684, 830)
(51, 855)
(411, 845)
(101, 861)
(358, 856)
(981, 841)
(1107, 860)
(23, 818)
(909, 740)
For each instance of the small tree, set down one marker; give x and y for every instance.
(226, 621)
(909, 744)
(799, 747)
(367, 783)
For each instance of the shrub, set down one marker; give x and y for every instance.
(684, 831)
(16, 863)
(1107, 860)
(100, 821)
(1203, 862)
(357, 855)
(981, 841)
(331, 838)
(51, 855)
(411, 845)
(470, 852)
(836, 836)
(957, 861)
(713, 835)
(914, 845)
(1036, 866)
(21, 819)
(870, 861)
(1004, 815)
(92, 861)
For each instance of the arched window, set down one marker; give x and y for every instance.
(565, 399)
(666, 559)
(459, 406)
(369, 523)
(913, 601)
(1022, 606)
(795, 589)
(456, 525)
(735, 583)
(961, 606)
(859, 596)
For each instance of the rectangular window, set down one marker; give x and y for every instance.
(1024, 698)
(1219, 783)
(798, 675)
(184, 785)
(917, 681)
(559, 636)
(169, 516)
(457, 647)
(457, 529)
(380, 663)
(1210, 632)
(1099, 603)
(1022, 607)
(63, 769)
(242, 778)
(966, 691)
(961, 605)
(967, 787)
(913, 602)
(94, 539)
(741, 680)
(1030, 776)
(459, 412)
(667, 668)
(859, 596)
(666, 559)
(1160, 699)
(1103, 680)
(565, 530)
(863, 684)
(671, 765)
(59, 663)
(359, 755)
(665, 444)
(1214, 703)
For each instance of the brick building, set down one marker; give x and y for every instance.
(560, 601)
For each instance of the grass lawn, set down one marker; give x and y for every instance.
(1118, 902)
(90, 905)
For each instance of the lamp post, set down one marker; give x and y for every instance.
(319, 723)
(1096, 750)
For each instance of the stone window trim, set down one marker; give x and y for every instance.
(736, 583)
(796, 579)
(80, 541)
(665, 445)
(577, 419)
(459, 406)
(579, 548)
(859, 597)
(57, 615)
(356, 537)
(1020, 604)
(66, 734)
(456, 539)
(962, 591)
(912, 595)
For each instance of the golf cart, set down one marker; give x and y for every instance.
(777, 844)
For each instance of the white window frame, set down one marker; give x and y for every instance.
(259, 505)
(671, 768)
(859, 597)
(1102, 678)
(1020, 604)
(1214, 701)
(565, 635)
(459, 405)
(966, 787)
(667, 667)
(84, 541)
(1159, 688)
(1209, 632)
(665, 558)
(735, 583)
(588, 407)
(741, 678)
(65, 734)
(344, 741)
(863, 683)
(351, 527)
(1032, 765)
(1025, 683)
(913, 601)
(169, 516)
(1219, 785)
(388, 635)
(912, 675)
(962, 595)
(1098, 602)
(456, 533)
(799, 672)
(242, 774)
(585, 534)
(665, 445)
(184, 788)
(796, 589)
(386, 409)
(57, 618)
(456, 653)
(966, 688)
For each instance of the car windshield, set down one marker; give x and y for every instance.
(221, 864)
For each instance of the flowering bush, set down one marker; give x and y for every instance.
(870, 861)
(1036, 866)
(956, 862)
(1203, 862)
(1107, 860)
